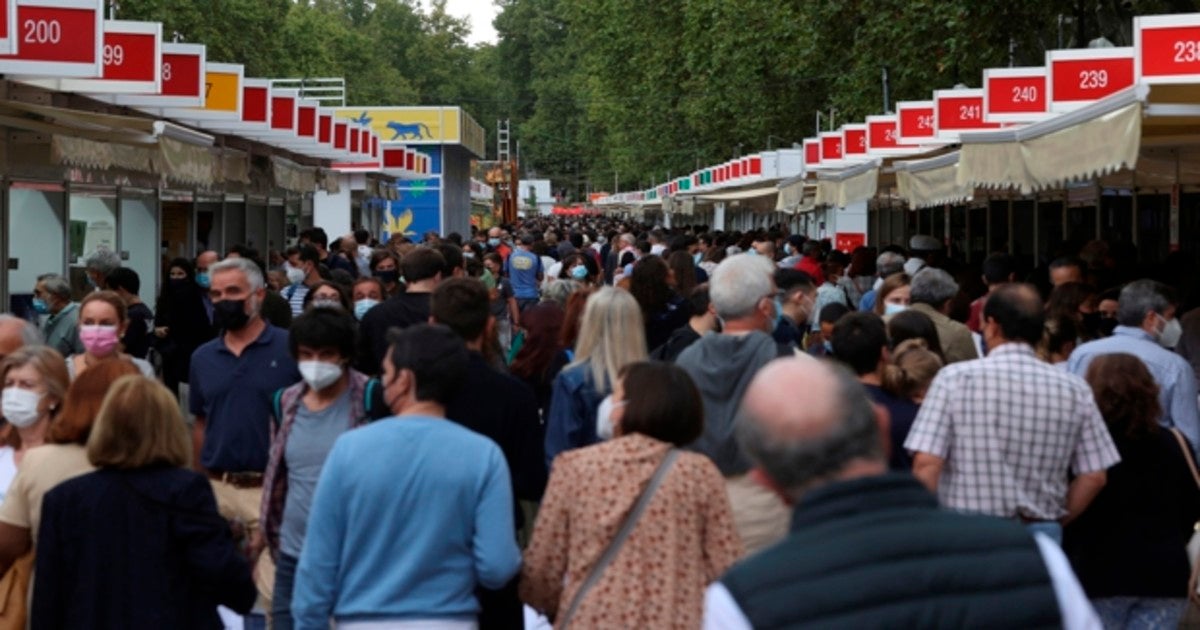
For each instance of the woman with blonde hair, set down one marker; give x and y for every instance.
(35, 384)
(611, 336)
(138, 543)
(893, 294)
(911, 370)
(103, 320)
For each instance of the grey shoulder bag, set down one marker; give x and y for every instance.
(614, 546)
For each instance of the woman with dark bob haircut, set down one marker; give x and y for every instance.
(682, 541)
(1129, 547)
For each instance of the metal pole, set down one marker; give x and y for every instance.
(1036, 215)
(887, 89)
(987, 234)
(1010, 222)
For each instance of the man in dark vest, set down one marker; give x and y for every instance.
(869, 548)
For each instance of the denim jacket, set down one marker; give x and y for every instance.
(571, 419)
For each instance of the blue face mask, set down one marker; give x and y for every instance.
(787, 248)
(40, 306)
(696, 258)
(892, 309)
(828, 347)
(202, 280)
(778, 313)
(362, 306)
(579, 272)
(494, 242)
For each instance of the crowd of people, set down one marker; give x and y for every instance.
(596, 423)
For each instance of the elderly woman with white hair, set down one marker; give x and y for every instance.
(611, 336)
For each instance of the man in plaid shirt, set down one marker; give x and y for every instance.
(997, 435)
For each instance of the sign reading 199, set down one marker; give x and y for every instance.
(1093, 79)
(42, 32)
(114, 55)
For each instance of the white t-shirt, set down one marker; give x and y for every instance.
(8, 469)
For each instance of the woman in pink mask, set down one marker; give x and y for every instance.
(102, 321)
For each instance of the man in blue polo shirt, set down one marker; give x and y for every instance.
(233, 382)
(524, 271)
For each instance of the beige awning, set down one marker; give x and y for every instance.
(853, 185)
(738, 195)
(1094, 141)
(792, 192)
(291, 176)
(933, 182)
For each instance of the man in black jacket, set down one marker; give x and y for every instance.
(498, 406)
(422, 269)
(868, 548)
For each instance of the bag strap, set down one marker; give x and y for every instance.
(614, 546)
(1187, 454)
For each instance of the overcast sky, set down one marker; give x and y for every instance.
(480, 12)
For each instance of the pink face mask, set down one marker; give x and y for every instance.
(99, 340)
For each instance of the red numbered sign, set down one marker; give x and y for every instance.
(883, 134)
(831, 146)
(1015, 94)
(1167, 48)
(812, 152)
(256, 99)
(283, 111)
(57, 39)
(958, 111)
(8, 19)
(854, 140)
(918, 122)
(1079, 77)
(181, 79)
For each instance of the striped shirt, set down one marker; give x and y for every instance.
(1009, 427)
(295, 295)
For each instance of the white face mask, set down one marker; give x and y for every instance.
(20, 406)
(604, 425)
(295, 275)
(319, 374)
(892, 309)
(1171, 332)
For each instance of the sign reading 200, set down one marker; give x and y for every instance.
(42, 32)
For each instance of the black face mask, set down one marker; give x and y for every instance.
(1091, 323)
(390, 276)
(1107, 326)
(230, 314)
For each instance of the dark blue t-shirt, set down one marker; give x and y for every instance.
(235, 396)
(903, 412)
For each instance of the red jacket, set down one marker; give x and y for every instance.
(811, 267)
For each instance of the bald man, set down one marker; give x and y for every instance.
(16, 333)
(869, 548)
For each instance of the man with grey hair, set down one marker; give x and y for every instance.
(868, 547)
(99, 264)
(888, 263)
(1148, 329)
(60, 329)
(16, 333)
(742, 290)
(932, 289)
(232, 386)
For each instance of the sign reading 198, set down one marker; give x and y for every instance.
(42, 32)
(1093, 79)
(1187, 52)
